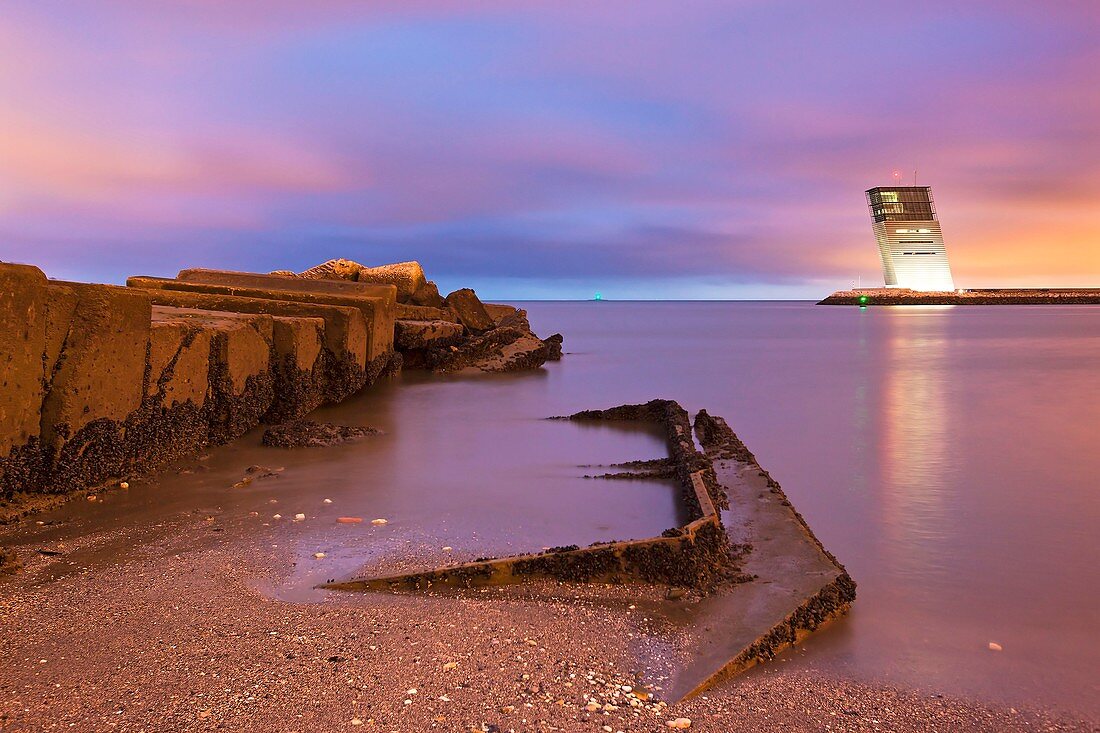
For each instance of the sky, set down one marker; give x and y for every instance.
(688, 149)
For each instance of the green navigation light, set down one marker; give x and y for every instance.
(862, 299)
(598, 296)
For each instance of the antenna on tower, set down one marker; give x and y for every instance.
(914, 175)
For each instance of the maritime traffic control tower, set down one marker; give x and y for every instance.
(909, 238)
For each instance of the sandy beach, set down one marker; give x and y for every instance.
(177, 626)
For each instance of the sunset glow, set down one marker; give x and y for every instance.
(719, 150)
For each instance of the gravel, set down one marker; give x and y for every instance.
(182, 632)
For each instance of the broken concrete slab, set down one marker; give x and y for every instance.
(471, 313)
(786, 585)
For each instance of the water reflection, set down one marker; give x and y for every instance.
(914, 441)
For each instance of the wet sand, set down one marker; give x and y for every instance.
(182, 625)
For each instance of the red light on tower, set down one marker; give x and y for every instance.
(897, 178)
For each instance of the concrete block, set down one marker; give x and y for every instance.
(23, 295)
(179, 360)
(23, 318)
(344, 334)
(97, 384)
(471, 313)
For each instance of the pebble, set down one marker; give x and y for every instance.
(299, 517)
(319, 555)
(356, 721)
(327, 501)
(679, 723)
(447, 548)
(91, 497)
(379, 521)
(124, 485)
(449, 666)
(995, 647)
(277, 516)
(349, 520)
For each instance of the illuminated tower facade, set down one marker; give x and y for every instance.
(909, 238)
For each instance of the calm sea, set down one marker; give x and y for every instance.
(949, 457)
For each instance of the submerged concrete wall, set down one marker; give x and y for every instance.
(100, 382)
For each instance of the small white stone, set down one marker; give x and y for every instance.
(299, 517)
(327, 501)
(995, 647)
(319, 555)
(679, 723)
(356, 721)
(124, 485)
(379, 521)
(448, 548)
(277, 516)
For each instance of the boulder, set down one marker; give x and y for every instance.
(498, 311)
(471, 313)
(553, 346)
(283, 273)
(338, 269)
(407, 276)
(428, 295)
(502, 349)
(410, 335)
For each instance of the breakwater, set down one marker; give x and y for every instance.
(102, 382)
(987, 296)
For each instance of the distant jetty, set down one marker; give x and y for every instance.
(982, 296)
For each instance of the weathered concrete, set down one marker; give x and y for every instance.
(374, 301)
(407, 277)
(471, 313)
(97, 385)
(695, 555)
(797, 587)
(411, 335)
(428, 295)
(406, 312)
(777, 586)
(499, 311)
(346, 365)
(23, 361)
(298, 366)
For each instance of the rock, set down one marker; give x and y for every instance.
(333, 270)
(553, 346)
(679, 723)
(470, 311)
(299, 517)
(327, 501)
(9, 562)
(277, 516)
(428, 295)
(123, 485)
(379, 521)
(349, 520)
(356, 721)
(283, 273)
(411, 335)
(503, 349)
(675, 594)
(309, 434)
(450, 666)
(995, 647)
(407, 276)
(319, 555)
